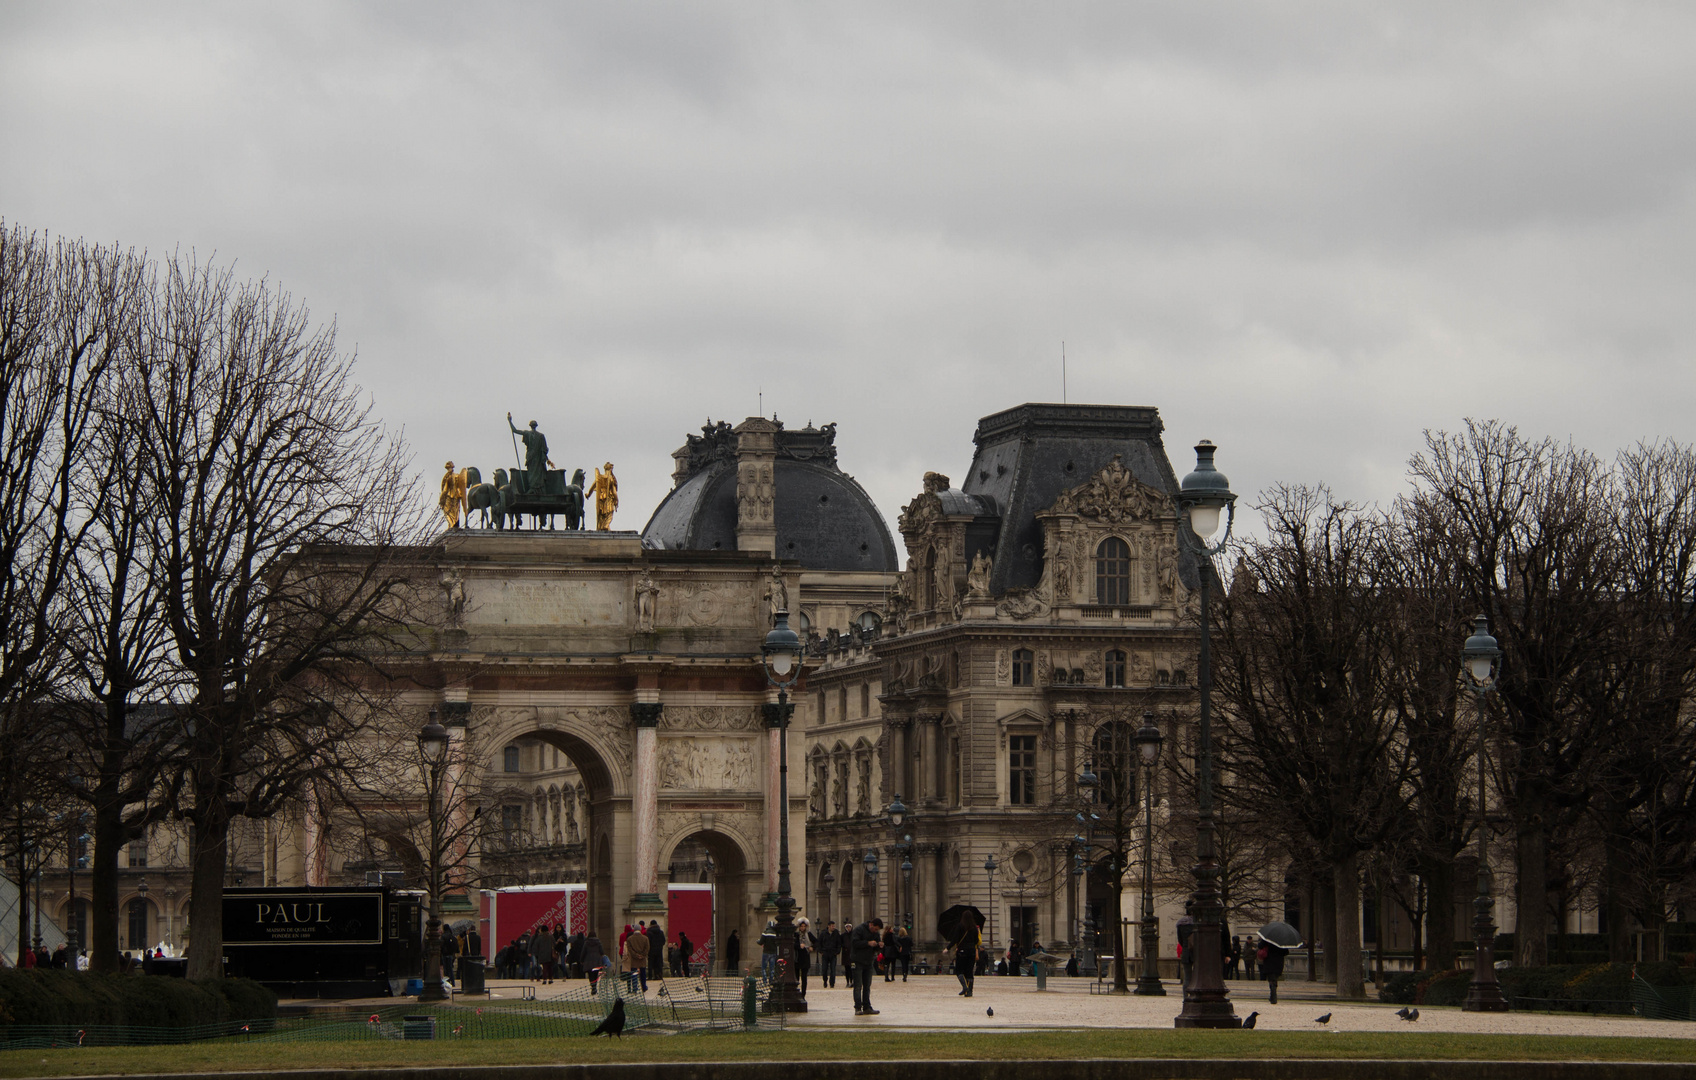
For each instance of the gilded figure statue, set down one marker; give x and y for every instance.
(606, 498)
(453, 496)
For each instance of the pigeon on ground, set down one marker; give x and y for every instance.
(1402, 1012)
(1249, 1021)
(1412, 1015)
(990, 1011)
(614, 1023)
(1326, 1019)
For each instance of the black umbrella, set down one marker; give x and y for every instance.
(1281, 934)
(951, 923)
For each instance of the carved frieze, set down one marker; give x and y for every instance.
(710, 718)
(688, 764)
(1113, 495)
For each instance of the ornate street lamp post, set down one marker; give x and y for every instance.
(1148, 740)
(140, 888)
(782, 657)
(1024, 927)
(1205, 496)
(989, 868)
(433, 754)
(1088, 785)
(871, 883)
(1480, 655)
(898, 816)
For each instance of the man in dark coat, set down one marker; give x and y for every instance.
(863, 944)
(1272, 966)
(685, 953)
(733, 954)
(829, 947)
(450, 951)
(473, 943)
(656, 950)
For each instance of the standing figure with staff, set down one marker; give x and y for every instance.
(535, 457)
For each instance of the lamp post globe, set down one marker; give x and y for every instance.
(1479, 657)
(1204, 497)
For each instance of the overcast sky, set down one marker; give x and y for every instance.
(1305, 231)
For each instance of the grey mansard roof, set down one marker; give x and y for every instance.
(824, 518)
(1026, 456)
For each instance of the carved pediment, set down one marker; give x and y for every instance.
(1113, 495)
(917, 515)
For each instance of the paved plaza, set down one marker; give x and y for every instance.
(932, 1002)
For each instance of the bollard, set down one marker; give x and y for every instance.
(750, 1007)
(1041, 974)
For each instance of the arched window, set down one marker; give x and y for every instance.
(869, 622)
(927, 583)
(1113, 572)
(1115, 667)
(1024, 667)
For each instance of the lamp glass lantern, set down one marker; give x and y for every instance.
(897, 811)
(781, 652)
(1148, 740)
(1205, 493)
(1481, 652)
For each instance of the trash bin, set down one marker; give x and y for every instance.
(418, 1027)
(471, 975)
(414, 987)
(1041, 973)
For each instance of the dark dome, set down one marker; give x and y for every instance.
(824, 519)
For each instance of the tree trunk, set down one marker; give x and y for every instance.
(1439, 877)
(206, 891)
(103, 891)
(1618, 910)
(1343, 947)
(1325, 927)
(1121, 980)
(1531, 896)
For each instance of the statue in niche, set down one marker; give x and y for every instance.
(863, 790)
(841, 788)
(815, 798)
(453, 584)
(1171, 588)
(647, 600)
(572, 836)
(977, 578)
(777, 592)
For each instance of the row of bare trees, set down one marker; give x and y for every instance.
(1350, 737)
(205, 546)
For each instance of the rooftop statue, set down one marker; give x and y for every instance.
(535, 456)
(606, 498)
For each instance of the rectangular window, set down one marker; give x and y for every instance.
(512, 825)
(842, 701)
(1021, 770)
(509, 759)
(138, 852)
(865, 699)
(1115, 666)
(1023, 668)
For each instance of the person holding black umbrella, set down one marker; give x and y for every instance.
(1277, 939)
(965, 951)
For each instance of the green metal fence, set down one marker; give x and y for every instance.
(678, 1005)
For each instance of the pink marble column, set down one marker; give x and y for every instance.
(645, 874)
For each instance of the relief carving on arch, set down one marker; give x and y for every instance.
(687, 764)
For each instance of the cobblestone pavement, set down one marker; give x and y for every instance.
(933, 1002)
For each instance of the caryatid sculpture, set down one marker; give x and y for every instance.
(606, 498)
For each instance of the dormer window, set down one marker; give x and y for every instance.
(1113, 572)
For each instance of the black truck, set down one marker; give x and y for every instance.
(324, 942)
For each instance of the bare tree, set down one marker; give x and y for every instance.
(282, 507)
(1541, 561)
(61, 307)
(1305, 675)
(121, 722)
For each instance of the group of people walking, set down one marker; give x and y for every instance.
(641, 953)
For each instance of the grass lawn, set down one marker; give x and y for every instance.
(842, 1046)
